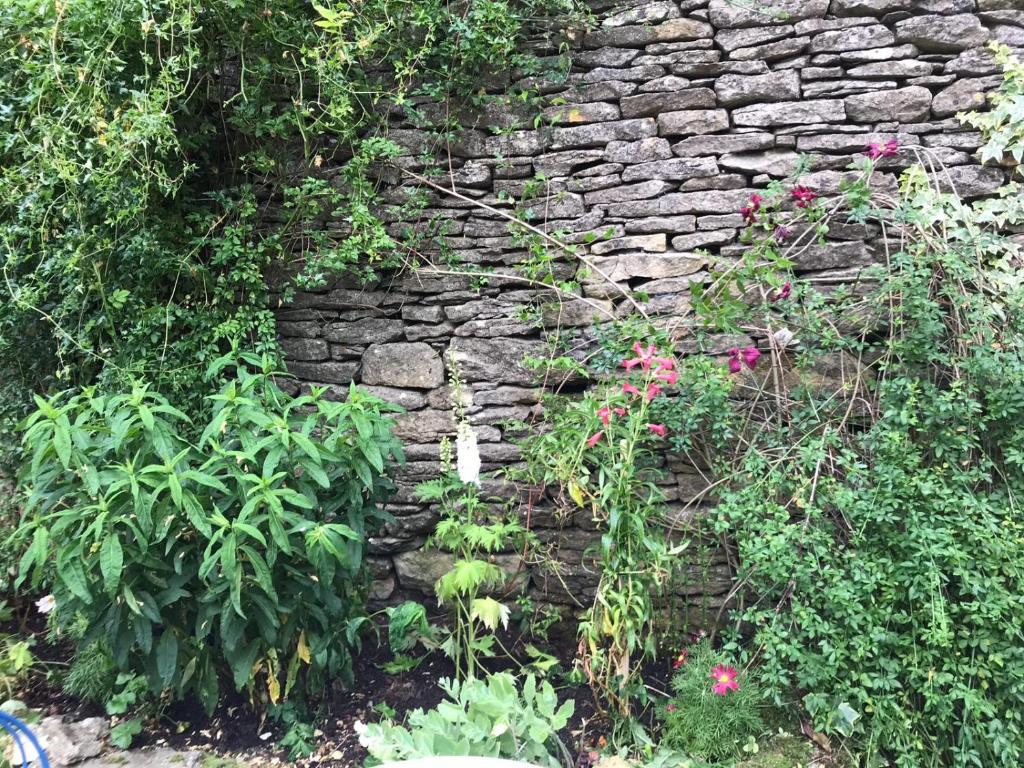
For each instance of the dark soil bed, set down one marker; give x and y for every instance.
(235, 731)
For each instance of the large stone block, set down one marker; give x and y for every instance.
(726, 13)
(942, 34)
(736, 90)
(688, 122)
(600, 134)
(415, 365)
(853, 39)
(497, 361)
(630, 265)
(643, 151)
(790, 113)
(963, 95)
(639, 36)
(903, 105)
(675, 169)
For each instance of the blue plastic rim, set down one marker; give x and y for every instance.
(17, 729)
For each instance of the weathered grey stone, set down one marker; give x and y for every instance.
(963, 95)
(325, 372)
(515, 144)
(576, 114)
(600, 134)
(723, 144)
(577, 314)
(790, 113)
(780, 49)
(736, 90)
(1008, 34)
(498, 361)
(643, 151)
(415, 365)
(605, 57)
(723, 13)
(304, 349)
(878, 54)
(639, 36)
(650, 13)
(705, 239)
(676, 169)
(942, 34)
(629, 74)
(427, 425)
(664, 84)
(904, 105)
(712, 69)
(777, 162)
(692, 121)
(832, 255)
(849, 142)
(887, 69)
(563, 163)
(969, 181)
(66, 743)
(853, 39)
(646, 243)
(606, 90)
(404, 398)
(619, 194)
(369, 331)
(627, 266)
(838, 88)
(973, 63)
(653, 104)
(420, 569)
(709, 201)
(669, 224)
(731, 39)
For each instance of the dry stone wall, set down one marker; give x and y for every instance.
(672, 115)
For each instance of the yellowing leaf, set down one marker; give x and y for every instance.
(302, 651)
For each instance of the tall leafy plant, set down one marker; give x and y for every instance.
(241, 554)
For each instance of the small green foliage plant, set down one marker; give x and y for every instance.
(714, 710)
(488, 717)
(241, 554)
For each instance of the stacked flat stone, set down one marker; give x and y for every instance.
(672, 114)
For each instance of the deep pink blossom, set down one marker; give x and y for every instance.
(620, 411)
(725, 680)
(684, 653)
(876, 150)
(737, 357)
(751, 209)
(751, 355)
(670, 708)
(803, 196)
(735, 366)
(668, 376)
(658, 429)
(604, 414)
(643, 357)
(663, 363)
(653, 390)
(629, 389)
(592, 440)
(783, 292)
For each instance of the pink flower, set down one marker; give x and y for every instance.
(629, 389)
(737, 358)
(782, 233)
(658, 429)
(643, 357)
(670, 708)
(664, 363)
(803, 196)
(751, 209)
(783, 292)
(667, 376)
(653, 390)
(604, 414)
(592, 440)
(725, 680)
(876, 150)
(681, 658)
(620, 411)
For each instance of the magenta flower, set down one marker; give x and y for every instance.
(620, 411)
(725, 680)
(737, 357)
(643, 357)
(592, 440)
(629, 389)
(604, 414)
(876, 150)
(751, 209)
(653, 390)
(670, 708)
(665, 363)
(658, 429)
(803, 196)
(668, 376)
(783, 292)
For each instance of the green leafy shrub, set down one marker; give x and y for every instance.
(93, 673)
(708, 724)
(242, 553)
(484, 718)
